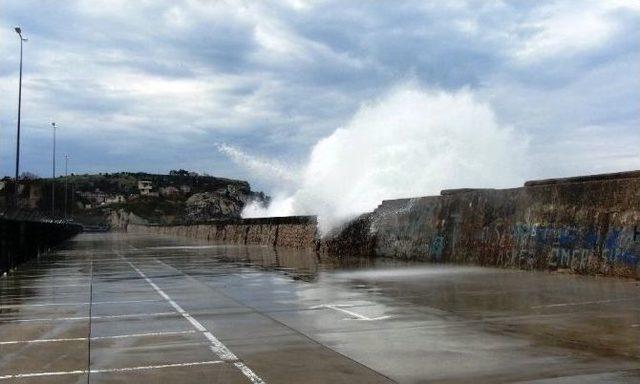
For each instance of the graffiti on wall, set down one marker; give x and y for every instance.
(436, 248)
(570, 246)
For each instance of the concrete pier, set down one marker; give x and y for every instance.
(116, 308)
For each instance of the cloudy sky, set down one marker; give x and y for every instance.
(156, 85)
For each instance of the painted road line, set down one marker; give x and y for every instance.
(48, 286)
(149, 334)
(22, 296)
(71, 304)
(108, 370)
(253, 378)
(585, 303)
(152, 314)
(50, 276)
(26, 284)
(355, 316)
(186, 247)
(635, 326)
(217, 346)
(176, 365)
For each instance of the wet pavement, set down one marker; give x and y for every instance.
(115, 308)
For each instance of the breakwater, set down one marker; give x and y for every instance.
(588, 225)
(22, 239)
(291, 232)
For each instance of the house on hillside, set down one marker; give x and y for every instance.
(169, 191)
(92, 199)
(145, 187)
(35, 196)
(115, 199)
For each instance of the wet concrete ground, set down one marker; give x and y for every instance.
(113, 308)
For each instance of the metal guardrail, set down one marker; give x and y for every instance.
(26, 234)
(30, 215)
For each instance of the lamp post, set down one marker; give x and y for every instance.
(53, 180)
(22, 39)
(66, 183)
(73, 198)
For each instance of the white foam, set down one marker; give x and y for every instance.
(411, 142)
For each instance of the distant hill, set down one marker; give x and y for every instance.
(114, 199)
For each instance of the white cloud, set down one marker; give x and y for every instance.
(176, 17)
(467, 25)
(277, 41)
(567, 28)
(275, 77)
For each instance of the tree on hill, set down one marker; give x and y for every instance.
(28, 176)
(180, 172)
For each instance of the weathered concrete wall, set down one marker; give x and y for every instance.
(589, 225)
(291, 232)
(22, 239)
(118, 220)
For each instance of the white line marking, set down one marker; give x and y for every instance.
(354, 315)
(36, 286)
(128, 369)
(40, 374)
(635, 326)
(21, 296)
(152, 314)
(216, 345)
(186, 247)
(150, 334)
(255, 379)
(108, 370)
(74, 304)
(584, 303)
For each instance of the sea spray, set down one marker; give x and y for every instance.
(411, 142)
(266, 168)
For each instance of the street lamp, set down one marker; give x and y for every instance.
(53, 180)
(22, 39)
(66, 183)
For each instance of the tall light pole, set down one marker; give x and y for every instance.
(66, 183)
(73, 198)
(22, 39)
(53, 180)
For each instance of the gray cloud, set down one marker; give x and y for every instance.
(155, 85)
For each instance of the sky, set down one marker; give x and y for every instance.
(159, 85)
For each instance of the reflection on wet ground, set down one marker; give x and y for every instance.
(306, 265)
(127, 308)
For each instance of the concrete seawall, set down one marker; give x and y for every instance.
(22, 239)
(589, 225)
(291, 232)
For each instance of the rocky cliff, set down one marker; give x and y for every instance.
(114, 200)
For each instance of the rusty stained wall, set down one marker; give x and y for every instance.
(589, 226)
(291, 232)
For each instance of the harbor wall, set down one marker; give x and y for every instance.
(588, 225)
(297, 232)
